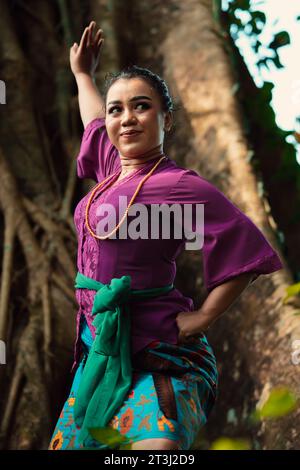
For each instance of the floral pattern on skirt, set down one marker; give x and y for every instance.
(140, 416)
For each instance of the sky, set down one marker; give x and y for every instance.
(281, 16)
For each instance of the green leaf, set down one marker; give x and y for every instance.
(276, 61)
(254, 27)
(263, 62)
(280, 39)
(281, 401)
(256, 46)
(291, 291)
(109, 436)
(244, 4)
(259, 16)
(126, 446)
(226, 443)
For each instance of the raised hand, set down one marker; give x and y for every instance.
(85, 57)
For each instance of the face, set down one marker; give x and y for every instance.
(133, 105)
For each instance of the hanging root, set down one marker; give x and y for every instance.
(54, 235)
(11, 402)
(47, 327)
(49, 264)
(9, 236)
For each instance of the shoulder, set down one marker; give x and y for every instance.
(185, 176)
(187, 185)
(97, 156)
(96, 123)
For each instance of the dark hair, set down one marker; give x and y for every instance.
(133, 71)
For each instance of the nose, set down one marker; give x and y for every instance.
(128, 117)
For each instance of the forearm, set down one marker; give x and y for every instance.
(222, 297)
(91, 104)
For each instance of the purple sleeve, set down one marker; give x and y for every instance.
(232, 243)
(97, 156)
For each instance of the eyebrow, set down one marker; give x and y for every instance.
(135, 98)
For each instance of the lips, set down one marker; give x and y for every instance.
(130, 133)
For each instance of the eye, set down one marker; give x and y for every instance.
(110, 111)
(144, 105)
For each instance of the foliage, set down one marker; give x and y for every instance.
(266, 139)
(253, 26)
(226, 443)
(291, 291)
(280, 402)
(112, 438)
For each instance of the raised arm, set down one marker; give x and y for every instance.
(84, 60)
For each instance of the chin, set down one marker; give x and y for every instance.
(133, 152)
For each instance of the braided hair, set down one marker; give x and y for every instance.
(133, 71)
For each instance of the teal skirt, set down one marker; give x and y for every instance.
(140, 417)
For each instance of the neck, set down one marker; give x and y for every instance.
(132, 163)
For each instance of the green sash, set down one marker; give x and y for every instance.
(107, 373)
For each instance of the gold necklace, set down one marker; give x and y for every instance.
(104, 237)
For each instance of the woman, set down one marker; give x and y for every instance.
(174, 379)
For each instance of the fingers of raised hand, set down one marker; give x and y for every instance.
(89, 38)
(98, 40)
(93, 38)
(91, 28)
(73, 50)
(84, 39)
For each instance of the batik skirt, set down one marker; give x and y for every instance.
(141, 416)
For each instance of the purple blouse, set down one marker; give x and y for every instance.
(232, 243)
